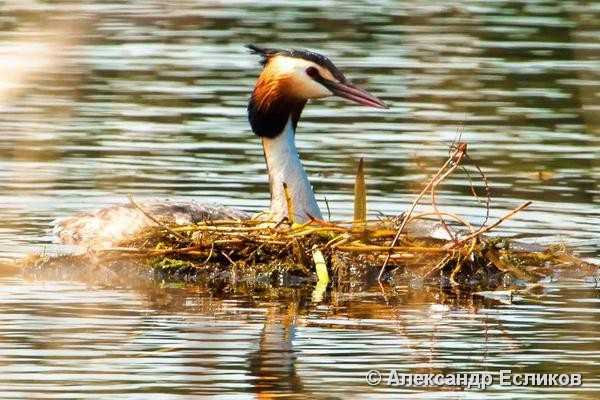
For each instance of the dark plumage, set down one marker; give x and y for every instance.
(267, 53)
(269, 122)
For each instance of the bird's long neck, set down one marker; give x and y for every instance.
(284, 166)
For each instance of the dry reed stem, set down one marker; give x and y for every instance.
(289, 203)
(439, 265)
(455, 157)
(502, 219)
(375, 249)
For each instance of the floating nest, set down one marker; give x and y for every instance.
(347, 254)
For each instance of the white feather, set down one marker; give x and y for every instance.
(295, 70)
(284, 166)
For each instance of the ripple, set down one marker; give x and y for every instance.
(148, 98)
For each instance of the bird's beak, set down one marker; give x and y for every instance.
(354, 93)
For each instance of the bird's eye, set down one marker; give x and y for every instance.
(312, 72)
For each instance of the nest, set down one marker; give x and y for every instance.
(348, 253)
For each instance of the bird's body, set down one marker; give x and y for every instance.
(288, 80)
(111, 225)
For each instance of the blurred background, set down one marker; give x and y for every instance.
(99, 99)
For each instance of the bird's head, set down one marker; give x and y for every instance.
(288, 80)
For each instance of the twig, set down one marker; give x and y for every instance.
(227, 257)
(455, 271)
(212, 248)
(224, 229)
(437, 266)
(328, 209)
(157, 222)
(374, 249)
(495, 224)
(458, 154)
(437, 211)
(488, 194)
(447, 214)
(336, 240)
(260, 246)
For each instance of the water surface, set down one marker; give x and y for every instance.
(100, 99)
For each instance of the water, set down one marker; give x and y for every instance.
(167, 343)
(103, 99)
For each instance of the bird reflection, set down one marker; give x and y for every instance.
(273, 365)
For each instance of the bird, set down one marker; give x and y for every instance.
(288, 80)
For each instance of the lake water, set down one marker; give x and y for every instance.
(103, 99)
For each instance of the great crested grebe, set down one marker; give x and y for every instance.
(288, 80)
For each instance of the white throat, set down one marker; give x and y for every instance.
(284, 166)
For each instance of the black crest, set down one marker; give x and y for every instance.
(319, 59)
